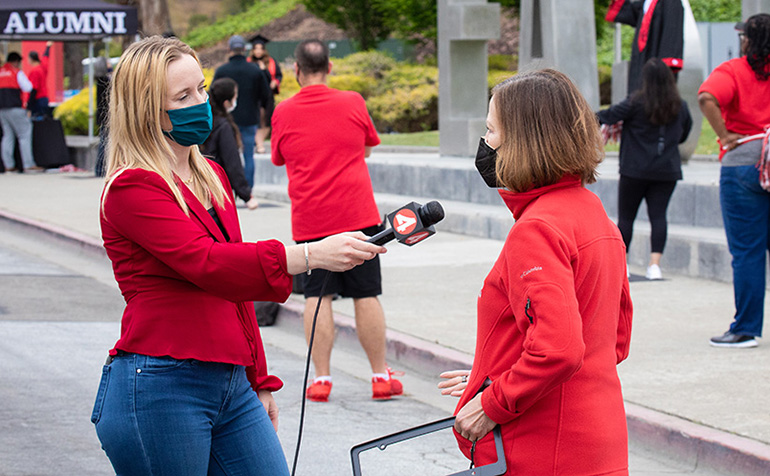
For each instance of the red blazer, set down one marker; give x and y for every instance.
(554, 320)
(188, 289)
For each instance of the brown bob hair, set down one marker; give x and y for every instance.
(548, 130)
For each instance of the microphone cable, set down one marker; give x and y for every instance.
(307, 371)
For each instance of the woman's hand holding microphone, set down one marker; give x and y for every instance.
(337, 253)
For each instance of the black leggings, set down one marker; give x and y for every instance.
(657, 194)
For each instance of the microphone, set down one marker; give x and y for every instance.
(410, 224)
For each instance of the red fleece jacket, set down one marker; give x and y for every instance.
(554, 320)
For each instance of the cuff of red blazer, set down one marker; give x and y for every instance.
(267, 382)
(673, 63)
(494, 409)
(275, 268)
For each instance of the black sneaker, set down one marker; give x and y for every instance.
(728, 339)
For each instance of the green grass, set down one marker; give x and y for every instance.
(428, 138)
(707, 143)
(252, 19)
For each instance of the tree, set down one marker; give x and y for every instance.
(363, 20)
(417, 19)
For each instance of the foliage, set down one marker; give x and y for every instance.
(256, 16)
(716, 10)
(197, 20)
(371, 63)
(401, 97)
(405, 18)
(73, 113)
(406, 109)
(363, 20)
(495, 77)
(208, 76)
(503, 62)
(605, 47)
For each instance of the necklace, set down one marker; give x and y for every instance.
(189, 181)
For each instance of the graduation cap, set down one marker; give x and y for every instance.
(259, 39)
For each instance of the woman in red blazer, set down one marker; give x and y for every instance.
(186, 388)
(554, 314)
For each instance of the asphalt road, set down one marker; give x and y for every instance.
(59, 314)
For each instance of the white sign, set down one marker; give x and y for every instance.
(88, 23)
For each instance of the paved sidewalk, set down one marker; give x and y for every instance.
(706, 404)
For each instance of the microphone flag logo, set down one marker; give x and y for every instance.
(405, 221)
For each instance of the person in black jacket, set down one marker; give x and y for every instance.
(655, 121)
(254, 91)
(659, 33)
(224, 143)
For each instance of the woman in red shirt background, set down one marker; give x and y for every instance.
(186, 388)
(734, 99)
(554, 313)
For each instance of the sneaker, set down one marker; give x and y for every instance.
(653, 272)
(383, 389)
(319, 391)
(728, 339)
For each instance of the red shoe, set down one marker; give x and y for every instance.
(319, 391)
(383, 389)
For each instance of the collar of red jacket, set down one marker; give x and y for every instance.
(518, 202)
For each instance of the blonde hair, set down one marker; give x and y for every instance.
(137, 104)
(548, 130)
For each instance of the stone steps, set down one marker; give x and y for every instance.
(696, 244)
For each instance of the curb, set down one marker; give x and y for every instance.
(697, 445)
(70, 237)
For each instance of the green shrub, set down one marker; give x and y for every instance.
(353, 82)
(406, 110)
(503, 62)
(605, 84)
(401, 97)
(496, 77)
(73, 113)
(369, 63)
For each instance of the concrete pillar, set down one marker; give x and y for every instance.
(561, 34)
(464, 26)
(751, 7)
(690, 78)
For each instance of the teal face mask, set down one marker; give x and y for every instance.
(190, 125)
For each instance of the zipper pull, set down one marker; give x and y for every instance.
(526, 308)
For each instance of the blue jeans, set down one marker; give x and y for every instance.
(746, 215)
(162, 416)
(249, 141)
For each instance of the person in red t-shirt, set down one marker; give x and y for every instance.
(323, 136)
(734, 100)
(38, 98)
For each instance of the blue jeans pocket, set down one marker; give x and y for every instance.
(152, 364)
(96, 414)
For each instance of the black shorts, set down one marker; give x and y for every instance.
(362, 281)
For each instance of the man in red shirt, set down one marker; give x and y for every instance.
(38, 98)
(13, 117)
(323, 136)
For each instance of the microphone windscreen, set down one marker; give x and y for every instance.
(431, 213)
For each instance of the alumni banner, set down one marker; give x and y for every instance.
(73, 20)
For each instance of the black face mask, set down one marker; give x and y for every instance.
(486, 158)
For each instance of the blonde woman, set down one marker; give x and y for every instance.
(186, 388)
